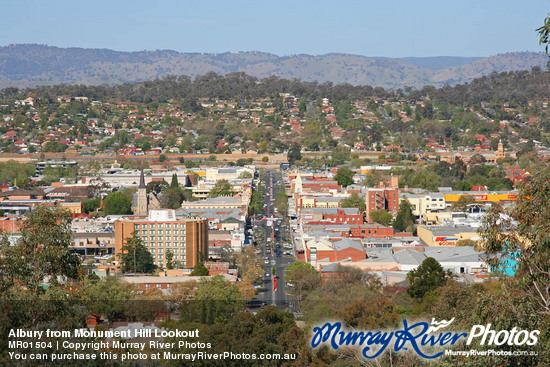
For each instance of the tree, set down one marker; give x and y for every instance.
(171, 198)
(135, 257)
(169, 260)
(108, 297)
(294, 153)
(462, 203)
(246, 174)
(91, 205)
(281, 201)
(370, 314)
(117, 203)
(42, 251)
(302, 279)
(147, 305)
(544, 36)
(354, 201)
(174, 182)
(156, 186)
(344, 176)
(199, 270)
(181, 294)
(517, 239)
(221, 188)
(381, 216)
(39, 273)
(249, 264)
(404, 219)
(219, 299)
(427, 277)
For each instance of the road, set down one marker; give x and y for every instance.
(272, 248)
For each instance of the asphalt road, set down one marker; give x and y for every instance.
(272, 249)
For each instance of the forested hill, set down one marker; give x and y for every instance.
(517, 87)
(31, 65)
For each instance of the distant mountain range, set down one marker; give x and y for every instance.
(30, 65)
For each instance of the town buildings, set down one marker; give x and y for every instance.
(162, 232)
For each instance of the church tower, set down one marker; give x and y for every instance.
(142, 196)
(500, 150)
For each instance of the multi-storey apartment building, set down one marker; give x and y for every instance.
(162, 232)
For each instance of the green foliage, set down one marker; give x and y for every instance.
(219, 298)
(294, 153)
(156, 186)
(174, 182)
(135, 257)
(354, 201)
(54, 174)
(250, 264)
(375, 313)
(544, 35)
(117, 203)
(461, 204)
(199, 270)
(521, 233)
(172, 198)
(246, 174)
(404, 219)
(340, 291)
(43, 250)
(268, 330)
(169, 259)
(381, 216)
(108, 297)
(221, 188)
(281, 201)
(302, 279)
(91, 205)
(11, 171)
(427, 277)
(54, 147)
(256, 202)
(344, 176)
(41, 255)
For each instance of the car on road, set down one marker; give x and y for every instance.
(266, 261)
(267, 275)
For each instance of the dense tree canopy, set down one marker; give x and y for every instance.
(117, 203)
(427, 277)
(135, 257)
(344, 176)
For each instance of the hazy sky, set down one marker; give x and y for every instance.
(363, 27)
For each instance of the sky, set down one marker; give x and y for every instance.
(474, 28)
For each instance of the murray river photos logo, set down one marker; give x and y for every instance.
(418, 336)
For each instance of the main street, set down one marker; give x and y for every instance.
(272, 248)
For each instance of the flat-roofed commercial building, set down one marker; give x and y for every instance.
(162, 232)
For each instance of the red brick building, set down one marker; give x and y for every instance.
(371, 230)
(345, 216)
(383, 198)
(345, 249)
